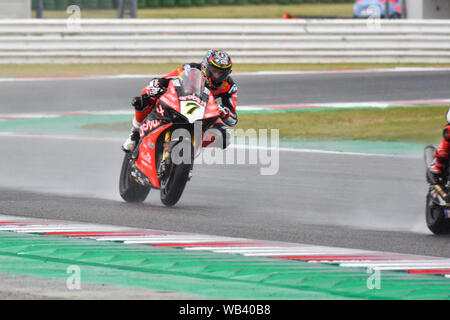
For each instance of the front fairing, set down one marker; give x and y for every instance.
(183, 104)
(146, 161)
(188, 96)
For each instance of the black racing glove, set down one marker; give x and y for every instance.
(140, 103)
(155, 89)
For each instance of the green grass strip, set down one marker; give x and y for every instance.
(396, 124)
(394, 130)
(262, 10)
(399, 124)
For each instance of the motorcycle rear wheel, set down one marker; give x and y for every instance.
(129, 189)
(435, 218)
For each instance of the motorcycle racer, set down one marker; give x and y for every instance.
(216, 68)
(439, 167)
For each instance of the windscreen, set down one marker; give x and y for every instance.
(192, 82)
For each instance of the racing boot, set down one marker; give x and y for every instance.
(132, 140)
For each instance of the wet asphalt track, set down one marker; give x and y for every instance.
(367, 202)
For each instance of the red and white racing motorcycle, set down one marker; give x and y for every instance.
(164, 157)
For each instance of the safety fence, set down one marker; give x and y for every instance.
(247, 40)
(113, 4)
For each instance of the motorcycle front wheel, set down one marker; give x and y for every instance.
(172, 188)
(175, 178)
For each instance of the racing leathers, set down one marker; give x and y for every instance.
(439, 167)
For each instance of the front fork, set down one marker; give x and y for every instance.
(165, 161)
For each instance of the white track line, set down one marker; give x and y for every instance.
(255, 73)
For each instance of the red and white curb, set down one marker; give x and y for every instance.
(370, 104)
(343, 71)
(344, 257)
